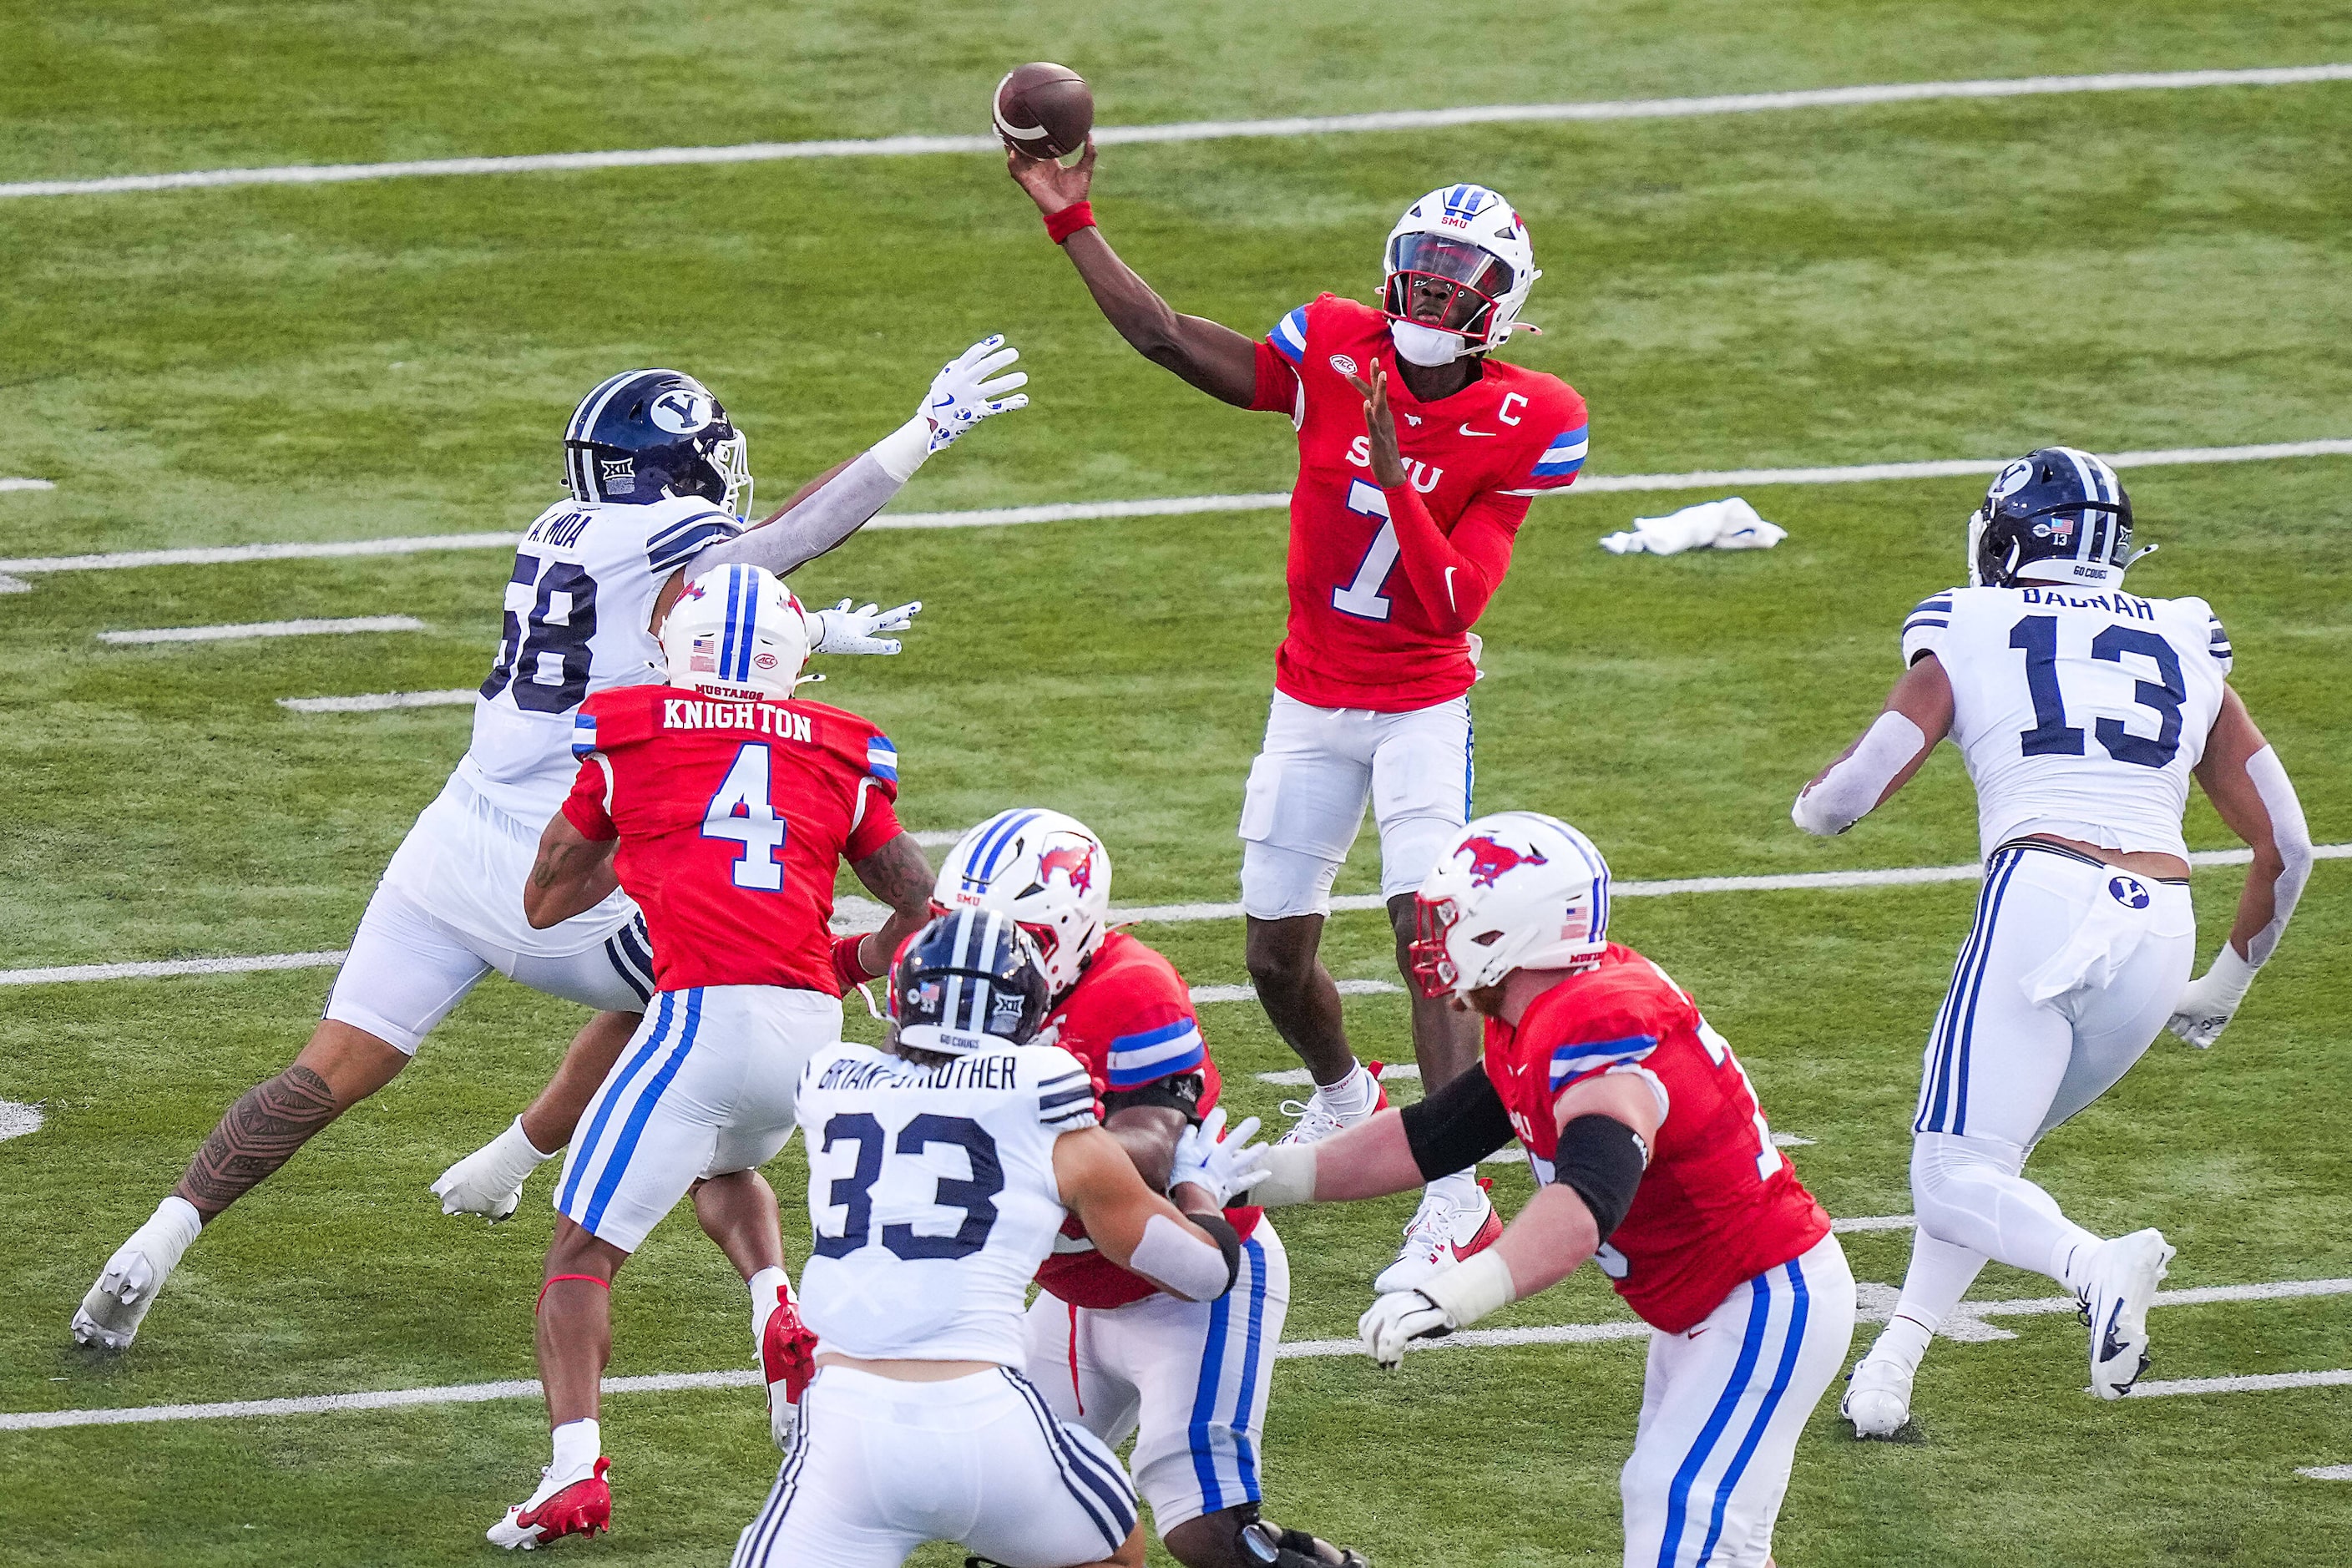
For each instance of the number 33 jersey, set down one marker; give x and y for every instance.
(577, 606)
(733, 816)
(2078, 714)
(1718, 1204)
(932, 1199)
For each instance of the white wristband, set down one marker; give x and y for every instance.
(2231, 977)
(902, 451)
(1290, 1176)
(1469, 1291)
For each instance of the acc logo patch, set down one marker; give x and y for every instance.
(2127, 891)
(682, 411)
(764, 660)
(1343, 365)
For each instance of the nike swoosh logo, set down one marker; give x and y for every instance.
(1449, 588)
(1467, 431)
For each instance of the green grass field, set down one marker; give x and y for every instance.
(1942, 279)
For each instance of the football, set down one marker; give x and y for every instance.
(1043, 110)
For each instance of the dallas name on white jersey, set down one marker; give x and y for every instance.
(2079, 715)
(585, 579)
(933, 1197)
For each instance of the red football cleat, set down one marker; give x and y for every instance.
(788, 1358)
(558, 1507)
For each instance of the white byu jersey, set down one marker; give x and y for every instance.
(585, 578)
(2078, 714)
(932, 1199)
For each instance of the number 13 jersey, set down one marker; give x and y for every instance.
(2078, 714)
(733, 816)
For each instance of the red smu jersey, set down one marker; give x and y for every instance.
(1719, 1205)
(1360, 635)
(733, 817)
(1130, 1019)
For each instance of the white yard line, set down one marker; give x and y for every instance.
(378, 702)
(1863, 1222)
(22, 484)
(18, 1119)
(851, 914)
(1472, 1339)
(267, 630)
(1178, 506)
(2328, 1472)
(1203, 130)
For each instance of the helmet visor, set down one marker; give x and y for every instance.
(1441, 281)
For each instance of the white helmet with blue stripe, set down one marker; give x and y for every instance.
(1518, 891)
(1454, 275)
(1047, 873)
(737, 631)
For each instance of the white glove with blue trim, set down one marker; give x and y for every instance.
(961, 394)
(844, 630)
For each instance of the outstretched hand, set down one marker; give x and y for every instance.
(1387, 463)
(1049, 184)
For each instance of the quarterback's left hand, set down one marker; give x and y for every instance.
(1218, 1166)
(844, 630)
(1396, 1320)
(962, 395)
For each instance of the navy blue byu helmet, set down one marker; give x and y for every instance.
(2058, 506)
(969, 982)
(644, 435)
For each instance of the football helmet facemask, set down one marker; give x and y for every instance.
(736, 631)
(1518, 891)
(645, 435)
(1464, 248)
(1047, 872)
(968, 981)
(2057, 514)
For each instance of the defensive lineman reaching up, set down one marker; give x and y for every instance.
(659, 482)
(1418, 452)
(2081, 712)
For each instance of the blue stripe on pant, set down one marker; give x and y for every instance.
(586, 1150)
(1217, 1491)
(626, 1145)
(1756, 1349)
(1943, 1090)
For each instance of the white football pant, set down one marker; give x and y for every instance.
(1722, 1408)
(1308, 787)
(1188, 1379)
(881, 1466)
(448, 910)
(706, 1086)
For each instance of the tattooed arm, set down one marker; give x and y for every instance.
(898, 876)
(572, 874)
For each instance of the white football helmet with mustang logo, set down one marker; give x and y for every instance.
(736, 631)
(1518, 891)
(1047, 873)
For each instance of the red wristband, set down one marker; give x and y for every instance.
(847, 967)
(1060, 226)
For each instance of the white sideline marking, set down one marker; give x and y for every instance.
(7, 484)
(269, 629)
(18, 1119)
(1472, 1339)
(2261, 1382)
(1179, 506)
(377, 701)
(1201, 130)
(855, 914)
(1872, 1222)
(14, 584)
(2328, 1472)
(940, 838)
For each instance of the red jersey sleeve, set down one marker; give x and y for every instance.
(1624, 1032)
(1279, 353)
(1456, 573)
(1557, 455)
(589, 807)
(874, 816)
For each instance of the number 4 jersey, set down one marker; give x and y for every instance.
(1718, 1204)
(734, 818)
(2079, 715)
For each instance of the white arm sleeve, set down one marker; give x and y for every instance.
(1854, 783)
(1170, 1254)
(822, 520)
(2293, 835)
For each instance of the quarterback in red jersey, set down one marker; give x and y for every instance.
(1417, 455)
(1107, 1348)
(724, 807)
(1652, 1157)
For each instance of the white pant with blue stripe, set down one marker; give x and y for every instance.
(882, 1465)
(1722, 1406)
(1310, 784)
(1189, 1379)
(706, 1086)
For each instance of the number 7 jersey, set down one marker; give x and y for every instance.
(2078, 714)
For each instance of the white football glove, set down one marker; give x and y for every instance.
(844, 630)
(1395, 1321)
(961, 394)
(488, 1182)
(2208, 1002)
(1205, 1158)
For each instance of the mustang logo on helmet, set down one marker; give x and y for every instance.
(1490, 860)
(1075, 861)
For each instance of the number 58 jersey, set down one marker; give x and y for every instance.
(932, 1199)
(2078, 714)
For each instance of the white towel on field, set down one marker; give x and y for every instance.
(1729, 524)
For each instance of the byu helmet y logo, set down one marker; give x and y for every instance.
(681, 411)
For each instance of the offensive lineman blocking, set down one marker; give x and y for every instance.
(2040, 672)
(1399, 539)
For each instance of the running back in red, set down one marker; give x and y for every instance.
(1360, 635)
(1719, 1205)
(734, 818)
(1130, 1019)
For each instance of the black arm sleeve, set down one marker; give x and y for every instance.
(1229, 1242)
(1459, 1125)
(1601, 1159)
(1182, 1095)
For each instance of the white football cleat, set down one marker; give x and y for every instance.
(1878, 1396)
(1441, 1234)
(2123, 1275)
(580, 1503)
(110, 1315)
(1317, 1120)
